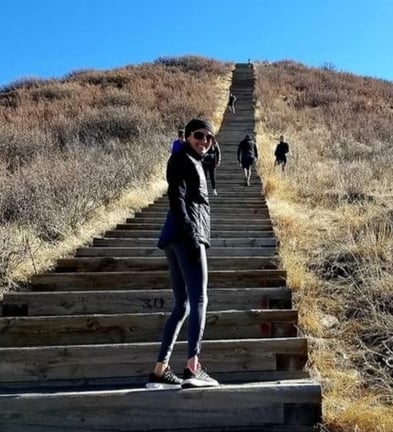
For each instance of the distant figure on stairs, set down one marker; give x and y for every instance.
(178, 144)
(210, 162)
(184, 239)
(249, 63)
(231, 103)
(281, 153)
(247, 154)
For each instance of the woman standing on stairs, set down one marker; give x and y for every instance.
(184, 239)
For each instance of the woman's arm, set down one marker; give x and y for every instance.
(177, 174)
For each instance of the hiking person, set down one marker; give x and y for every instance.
(211, 160)
(280, 153)
(184, 239)
(247, 154)
(178, 144)
(231, 103)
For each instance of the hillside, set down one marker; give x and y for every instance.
(70, 148)
(333, 209)
(77, 154)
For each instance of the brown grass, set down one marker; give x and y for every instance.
(71, 148)
(333, 212)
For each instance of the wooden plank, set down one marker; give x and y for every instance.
(133, 301)
(214, 210)
(238, 225)
(215, 243)
(242, 213)
(121, 328)
(235, 190)
(239, 199)
(216, 221)
(236, 195)
(110, 264)
(155, 252)
(225, 218)
(224, 204)
(152, 280)
(86, 384)
(45, 363)
(252, 233)
(260, 405)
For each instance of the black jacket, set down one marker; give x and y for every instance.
(281, 150)
(247, 151)
(188, 218)
(212, 156)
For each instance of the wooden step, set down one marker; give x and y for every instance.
(227, 203)
(234, 195)
(242, 214)
(226, 218)
(120, 264)
(287, 406)
(233, 360)
(215, 242)
(134, 301)
(155, 252)
(141, 327)
(216, 221)
(218, 233)
(251, 200)
(217, 209)
(152, 280)
(238, 225)
(237, 189)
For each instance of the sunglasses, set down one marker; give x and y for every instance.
(200, 135)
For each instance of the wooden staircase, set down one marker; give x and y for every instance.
(76, 350)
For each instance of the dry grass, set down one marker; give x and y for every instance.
(333, 211)
(92, 146)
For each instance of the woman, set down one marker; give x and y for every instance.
(211, 160)
(184, 239)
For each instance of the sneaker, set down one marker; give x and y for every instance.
(197, 379)
(215, 192)
(167, 381)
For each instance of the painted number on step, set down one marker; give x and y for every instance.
(153, 303)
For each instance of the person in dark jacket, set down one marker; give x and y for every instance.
(184, 239)
(247, 154)
(211, 160)
(281, 153)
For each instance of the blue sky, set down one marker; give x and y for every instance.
(50, 38)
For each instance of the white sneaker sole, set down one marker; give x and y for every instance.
(160, 386)
(195, 383)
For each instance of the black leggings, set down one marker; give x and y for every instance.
(211, 169)
(189, 285)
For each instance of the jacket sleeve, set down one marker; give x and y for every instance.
(256, 151)
(177, 189)
(218, 152)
